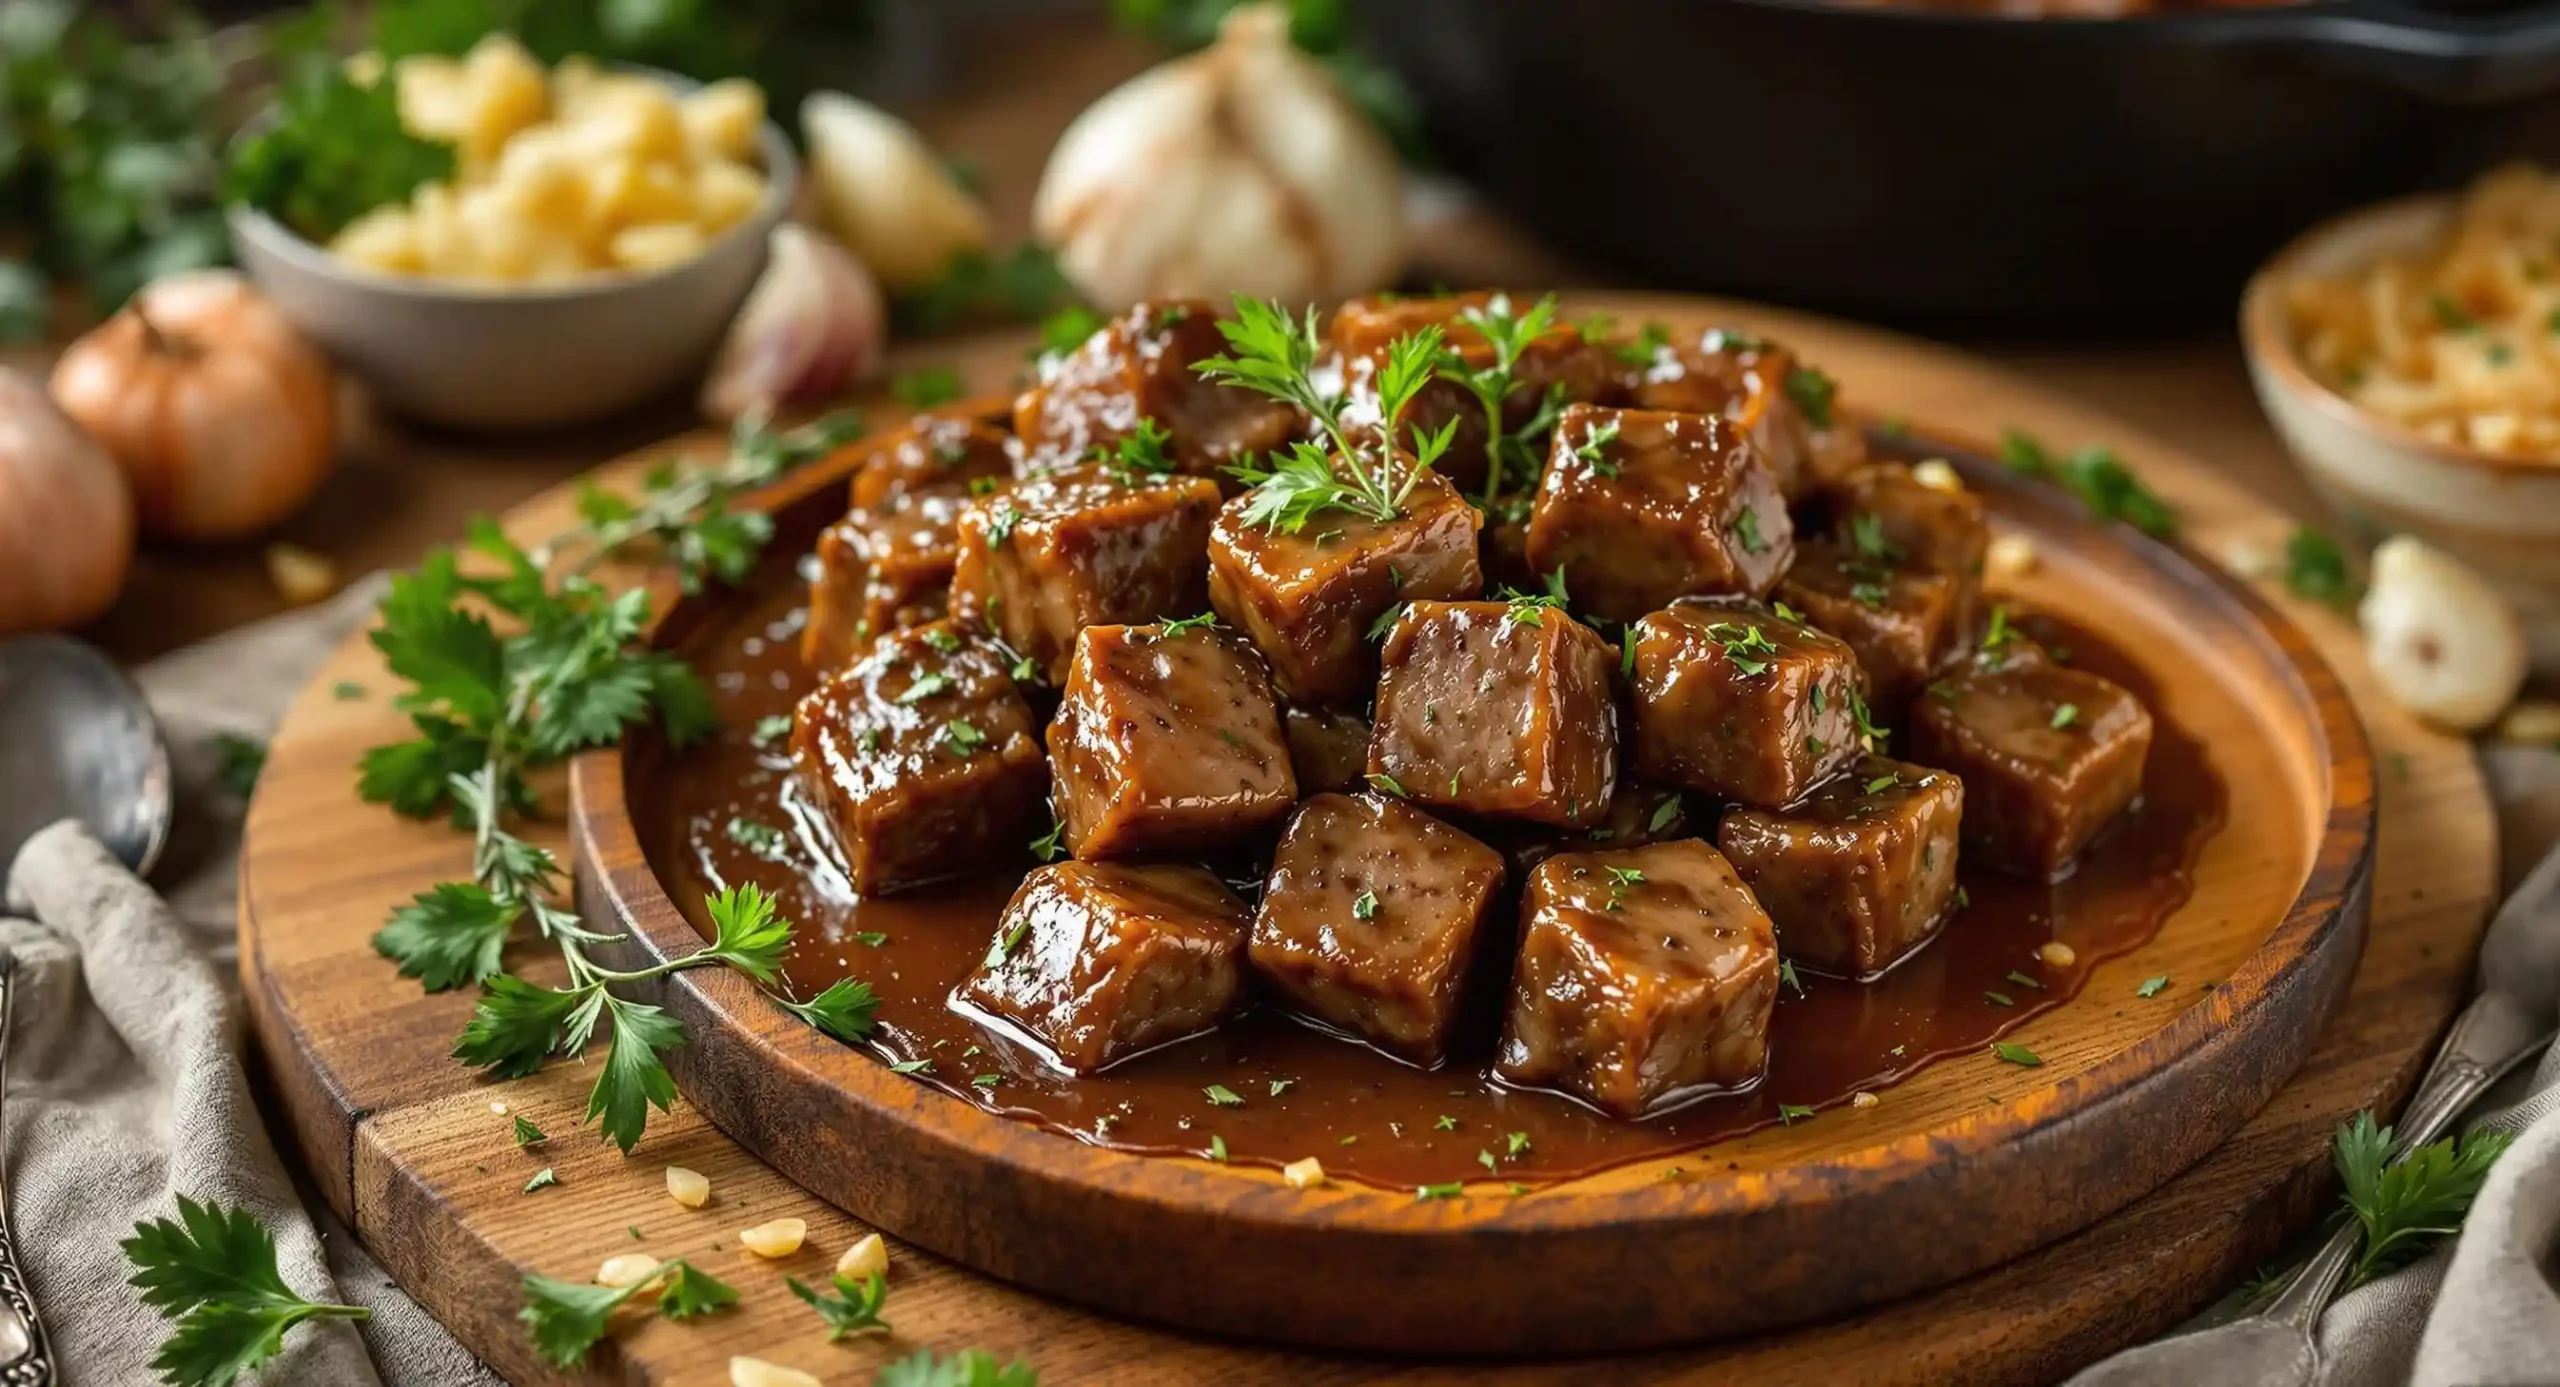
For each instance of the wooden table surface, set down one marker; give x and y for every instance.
(399, 490)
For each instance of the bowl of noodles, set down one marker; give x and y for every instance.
(2409, 353)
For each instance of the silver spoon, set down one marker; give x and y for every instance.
(26, 1358)
(78, 742)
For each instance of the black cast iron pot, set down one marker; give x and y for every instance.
(1963, 169)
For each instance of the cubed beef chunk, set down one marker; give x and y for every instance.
(1639, 815)
(1899, 620)
(1082, 547)
(1832, 452)
(1885, 514)
(1328, 748)
(932, 455)
(881, 569)
(1558, 360)
(1740, 703)
(1640, 507)
(1308, 598)
(2048, 756)
(923, 756)
(1858, 873)
(1736, 375)
(888, 562)
(1643, 976)
(1139, 366)
(1371, 917)
(1499, 708)
(1166, 741)
(1098, 960)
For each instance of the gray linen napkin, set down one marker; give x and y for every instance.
(2482, 1308)
(125, 1081)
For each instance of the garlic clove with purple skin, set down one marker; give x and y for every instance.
(2442, 642)
(813, 326)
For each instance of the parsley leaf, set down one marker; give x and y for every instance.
(2152, 986)
(967, 1368)
(633, 1079)
(749, 935)
(212, 1270)
(2406, 1206)
(844, 1010)
(1813, 393)
(1223, 1096)
(2017, 1054)
(2315, 568)
(450, 935)
(527, 1135)
(927, 387)
(853, 1309)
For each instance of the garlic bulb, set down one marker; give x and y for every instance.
(2443, 643)
(1240, 169)
(885, 193)
(66, 520)
(221, 415)
(813, 325)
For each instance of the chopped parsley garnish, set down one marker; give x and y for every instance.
(1883, 782)
(2315, 568)
(1182, 625)
(1451, 1190)
(1813, 393)
(2066, 715)
(1866, 535)
(2017, 1054)
(1787, 976)
(923, 389)
(769, 730)
(2152, 986)
(1005, 942)
(911, 1066)
(1997, 632)
(1663, 814)
(1746, 528)
(1741, 643)
(941, 638)
(1223, 1096)
(1595, 449)
(1218, 1149)
(1515, 1144)
(528, 1135)
(1386, 621)
(2450, 314)
(1869, 595)
(1364, 906)
(869, 741)
(1280, 1086)
(928, 682)
(764, 840)
(963, 738)
(987, 1081)
(1380, 780)
(1001, 518)
(1999, 999)
(1445, 1123)
(541, 1178)
(1789, 1112)
(1052, 845)
(1139, 456)
(1484, 1158)
(1627, 876)
(2023, 980)
(1872, 735)
(2094, 474)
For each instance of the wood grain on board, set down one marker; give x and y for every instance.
(404, 1142)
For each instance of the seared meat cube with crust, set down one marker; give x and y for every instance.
(933, 455)
(1733, 702)
(1166, 741)
(1500, 708)
(2048, 755)
(879, 570)
(1643, 976)
(923, 756)
(1900, 621)
(1139, 366)
(888, 562)
(1740, 377)
(1858, 873)
(1641, 507)
(1328, 748)
(1371, 918)
(1308, 599)
(1099, 961)
(1558, 360)
(1082, 547)
(1885, 514)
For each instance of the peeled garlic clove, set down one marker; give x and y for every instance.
(813, 325)
(1240, 169)
(886, 194)
(2443, 643)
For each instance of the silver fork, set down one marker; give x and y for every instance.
(26, 1360)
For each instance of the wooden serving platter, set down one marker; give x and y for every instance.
(1967, 1163)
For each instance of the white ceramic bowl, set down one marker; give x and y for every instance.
(2499, 514)
(483, 356)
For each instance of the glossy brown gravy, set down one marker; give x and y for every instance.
(1303, 1093)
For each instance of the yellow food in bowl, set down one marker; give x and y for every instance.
(2459, 338)
(561, 175)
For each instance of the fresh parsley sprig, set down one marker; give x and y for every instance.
(973, 1367)
(213, 1271)
(2101, 480)
(685, 513)
(1274, 354)
(2405, 1206)
(568, 1318)
(853, 1309)
(1493, 384)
